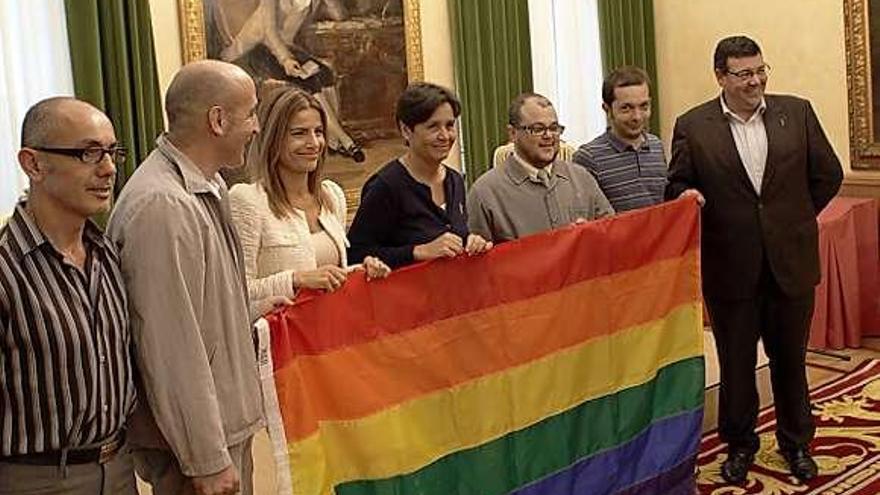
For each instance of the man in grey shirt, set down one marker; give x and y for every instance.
(182, 263)
(533, 191)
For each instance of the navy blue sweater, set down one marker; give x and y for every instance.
(397, 213)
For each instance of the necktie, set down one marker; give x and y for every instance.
(544, 177)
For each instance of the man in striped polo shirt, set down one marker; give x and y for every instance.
(627, 161)
(66, 387)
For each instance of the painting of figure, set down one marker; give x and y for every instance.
(350, 54)
(874, 50)
(861, 28)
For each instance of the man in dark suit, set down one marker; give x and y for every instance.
(762, 168)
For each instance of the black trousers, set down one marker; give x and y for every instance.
(782, 322)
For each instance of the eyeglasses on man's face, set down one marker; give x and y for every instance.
(92, 155)
(747, 74)
(541, 129)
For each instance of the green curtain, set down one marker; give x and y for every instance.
(493, 64)
(626, 31)
(114, 68)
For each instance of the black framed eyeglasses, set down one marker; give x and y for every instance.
(744, 75)
(541, 129)
(91, 155)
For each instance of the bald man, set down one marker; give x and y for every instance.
(182, 263)
(66, 386)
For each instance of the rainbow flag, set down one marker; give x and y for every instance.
(566, 362)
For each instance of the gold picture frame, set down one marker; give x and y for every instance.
(863, 85)
(371, 127)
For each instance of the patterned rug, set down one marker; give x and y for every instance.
(847, 444)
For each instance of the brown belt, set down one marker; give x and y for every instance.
(100, 454)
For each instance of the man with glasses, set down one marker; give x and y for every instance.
(762, 168)
(66, 388)
(533, 191)
(192, 431)
(627, 161)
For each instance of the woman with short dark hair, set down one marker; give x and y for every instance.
(413, 209)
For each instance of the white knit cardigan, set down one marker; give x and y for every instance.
(274, 247)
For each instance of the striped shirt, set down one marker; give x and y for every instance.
(65, 369)
(630, 178)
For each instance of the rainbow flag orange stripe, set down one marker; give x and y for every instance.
(566, 362)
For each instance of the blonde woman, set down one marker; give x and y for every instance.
(291, 222)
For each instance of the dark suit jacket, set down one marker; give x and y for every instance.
(740, 227)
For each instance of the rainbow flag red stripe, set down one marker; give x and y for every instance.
(566, 362)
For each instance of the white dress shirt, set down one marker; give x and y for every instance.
(750, 137)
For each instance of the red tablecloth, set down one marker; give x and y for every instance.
(847, 298)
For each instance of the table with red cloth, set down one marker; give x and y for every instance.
(848, 296)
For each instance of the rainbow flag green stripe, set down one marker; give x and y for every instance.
(528, 455)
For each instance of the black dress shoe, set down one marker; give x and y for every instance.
(735, 469)
(801, 464)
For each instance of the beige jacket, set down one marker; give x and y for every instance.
(182, 264)
(276, 247)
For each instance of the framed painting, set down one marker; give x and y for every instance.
(355, 56)
(862, 32)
